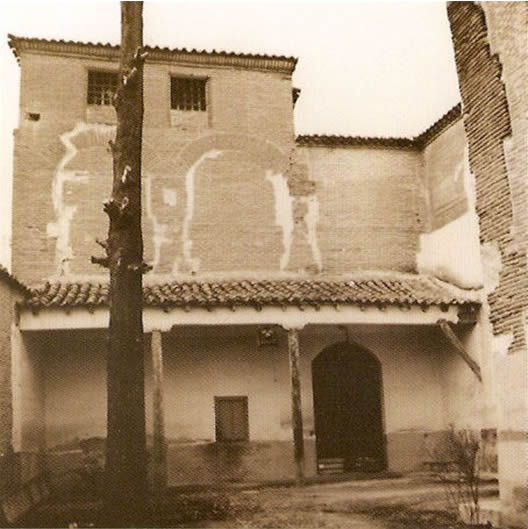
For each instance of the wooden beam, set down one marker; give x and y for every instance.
(297, 420)
(459, 347)
(159, 443)
(49, 318)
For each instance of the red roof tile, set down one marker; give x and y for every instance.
(373, 288)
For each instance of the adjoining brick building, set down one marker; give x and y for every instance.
(363, 253)
(490, 41)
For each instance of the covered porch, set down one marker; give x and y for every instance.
(239, 375)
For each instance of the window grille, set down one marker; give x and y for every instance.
(101, 87)
(188, 94)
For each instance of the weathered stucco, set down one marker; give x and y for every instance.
(201, 363)
(453, 229)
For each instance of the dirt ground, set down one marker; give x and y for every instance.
(406, 503)
(416, 502)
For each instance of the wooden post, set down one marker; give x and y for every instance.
(159, 443)
(459, 348)
(297, 421)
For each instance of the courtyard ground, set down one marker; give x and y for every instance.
(415, 502)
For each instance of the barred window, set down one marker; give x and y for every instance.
(101, 87)
(188, 94)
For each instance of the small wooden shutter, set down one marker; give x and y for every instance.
(231, 417)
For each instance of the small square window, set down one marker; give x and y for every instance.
(101, 87)
(188, 94)
(231, 419)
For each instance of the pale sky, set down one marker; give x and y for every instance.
(370, 69)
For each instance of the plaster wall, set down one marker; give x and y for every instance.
(28, 390)
(7, 302)
(449, 248)
(8, 296)
(201, 363)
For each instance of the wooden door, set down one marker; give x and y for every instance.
(231, 419)
(348, 408)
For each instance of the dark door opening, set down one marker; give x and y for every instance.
(347, 388)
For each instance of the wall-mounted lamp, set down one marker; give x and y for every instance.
(266, 335)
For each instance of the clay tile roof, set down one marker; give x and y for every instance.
(364, 288)
(439, 126)
(13, 281)
(354, 141)
(416, 143)
(111, 51)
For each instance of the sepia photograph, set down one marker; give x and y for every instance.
(264, 264)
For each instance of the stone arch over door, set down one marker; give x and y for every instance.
(348, 407)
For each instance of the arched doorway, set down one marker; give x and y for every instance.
(347, 395)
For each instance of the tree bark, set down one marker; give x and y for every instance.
(126, 455)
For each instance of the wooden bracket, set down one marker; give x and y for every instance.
(468, 313)
(459, 347)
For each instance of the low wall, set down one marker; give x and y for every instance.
(408, 451)
(208, 463)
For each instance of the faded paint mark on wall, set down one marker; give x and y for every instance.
(491, 265)
(169, 196)
(159, 229)
(469, 181)
(283, 213)
(501, 344)
(441, 249)
(311, 218)
(193, 264)
(64, 213)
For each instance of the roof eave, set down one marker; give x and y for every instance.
(109, 51)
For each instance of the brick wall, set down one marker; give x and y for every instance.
(208, 204)
(496, 132)
(228, 193)
(491, 50)
(370, 206)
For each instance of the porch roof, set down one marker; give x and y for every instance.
(374, 288)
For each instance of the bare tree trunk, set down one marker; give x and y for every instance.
(126, 457)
